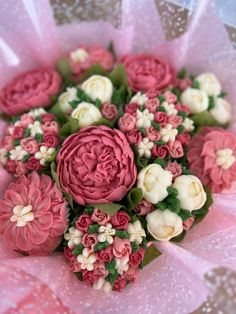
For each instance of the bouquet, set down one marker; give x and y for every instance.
(110, 157)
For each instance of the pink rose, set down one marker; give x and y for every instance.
(100, 270)
(184, 83)
(160, 151)
(33, 164)
(170, 97)
(143, 208)
(105, 255)
(136, 258)
(18, 132)
(121, 247)
(152, 104)
(7, 142)
(50, 139)
(68, 253)
(134, 137)
(11, 166)
(183, 108)
(100, 217)
(175, 121)
(109, 111)
(131, 274)
(175, 149)
(147, 72)
(152, 92)
(132, 108)
(184, 138)
(89, 277)
(187, 224)
(174, 168)
(120, 220)
(120, 283)
(89, 240)
(160, 117)
(26, 119)
(30, 90)
(30, 145)
(127, 122)
(96, 165)
(83, 223)
(51, 127)
(153, 134)
(47, 117)
(74, 266)
(20, 168)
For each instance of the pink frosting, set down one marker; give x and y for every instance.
(43, 234)
(100, 217)
(153, 134)
(147, 72)
(131, 274)
(26, 119)
(83, 222)
(187, 224)
(160, 117)
(50, 139)
(96, 165)
(144, 208)
(181, 107)
(160, 151)
(202, 157)
(121, 247)
(170, 97)
(50, 127)
(152, 104)
(174, 168)
(120, 283)
(132, 108)
(175, 149)
(30, 90)
(33, 164)
(184, 138)
(18, 132)
(89, 277)
(120, 220)
(134, 137)
(109, 111)
(100, 270)
(136, 258)
(89, 240)
(105, 255)
(175, 121)
(30, 145)
(127, 122)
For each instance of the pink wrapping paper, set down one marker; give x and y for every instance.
(173, 283)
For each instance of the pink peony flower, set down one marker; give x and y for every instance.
(175, 121)
(100, 217)
(132, 108)
(174, 168)
(152, 104)
(134, 137)
(175, 149)
(160, 117)
(170, 97)
(160, 151)
(50, 139)
(212, 157)
(83, 222)
(127, 122)
(136, 258)
(121, 247)
(187, 224)
(120, 283)
(50, 127)
(33, 214)
(33, 164)
(100, 270)
(105, 255)
(18, 132)
(109, 111)
(89, 277)
(89, 240)
(120, 220)
(96, 165)
(30, 90)
(143, 208)
(184, 138)
(153, 134)
(147, 72)
(30, 145)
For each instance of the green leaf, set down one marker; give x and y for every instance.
(100, 246)
(122, 234)
(179, 237)
(135, 246)
(39, 137)
(161, 205)
(204, 119)
(182, 114)
(160, 161)
(118, 76)
(95, 69)
(78, 249)
(74, 104)
(79, 276)
(151, 253)
(111, 267)
(83, 96)
(27, 132)
(185, 214)
(112, 277)
(69, 128)
(222, 94)
(133, 198)
(15, 119)
(119, 96)
(161, 98)
(64, 68)
(211, 102)
(16, 142)
(88, 210)
(111, 48)
(98, 103)
(162, 109)
(159, 143)
(104, 121)
(110, 209)
(93, 228)
(26, 158)
(143, 131)
(176, 92)
(196, 84)
(181, 74)
(58, 113)
(156, 125)
(172, 191)
(38, 118)
(180, 128)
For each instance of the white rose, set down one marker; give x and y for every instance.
(196, 99)
(65, 99)
(87, 114)
(154, 180)
(209, 84)
(222, 111)
(190, 192)
(98, 87)
(164, 224)
(79, 55)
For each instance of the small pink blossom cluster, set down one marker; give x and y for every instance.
(30, 142)
(105, 251)
(157, 127)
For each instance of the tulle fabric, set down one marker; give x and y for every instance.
(173, 283)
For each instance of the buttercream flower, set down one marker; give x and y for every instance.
(153, 134)
(47, 117)
(35, 128)
(86, 114)
(100, 270)
(131, 108)
(100, 217)
(32, 214)
(196, 99)
(152, 104)
(164, 224)
(136, 258)
(106, 233)
(30, 145)
(139, 99)
(89, 277)
(50, 127)
(222, 111)
(170, 97)
(109, 111)
(45, 154)
(122, 265)
(160, 117)
(120, 283)
(143, 208)
(102, 284)
(190, 192)
(131, 274)
(98, 87)
(169, 108)
(18, 132)
(175, 149)
(127, 122)
(26, 119)
(121, 247)
(87, 259)
(73, 236)
(144, 148)
(136, 232)
(184, 138)
(160, 151)
(153, 180)
(134, 136)
(3, 158)
(144, 119)
(209, 83)
(187, 224)
(96, 165)
(175, 121)
(212, 157)
(18, 153)
(147, 72)
(29, 90)
(65, 98)
(50, 139)
(39, 112)
(105, 255)
(174, 168)
(83, 222)
(120, 220)
(89, 240)
(168, 133)
(188, 124)
(33, 164)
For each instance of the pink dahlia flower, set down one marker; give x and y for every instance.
(212, 157)
(96, 165)
(32, 214)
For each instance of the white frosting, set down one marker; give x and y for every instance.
(22, 214)
(225, 158)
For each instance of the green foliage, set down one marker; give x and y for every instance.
(211, 102)
(110, 209)
(82, 96)
(16, 142)
(88, 210)
(104, 121)
(156, 125)
(185, 214)
(111, 267)
(69, 128)
(135, 246)
(133, 198)
(179, 237)
(196, 84)
(204, 118)
(119, 96)
(161, 98)
(112, 277)
(39, 137)
(159, 143)
(95, 69)
(151, 253)
(78, 249)
(181, 74)
(180, 129)
(162, 108)
(160, 161)
(93, 228)
(100, 246)
(122, 234)
(64, 68)
(27, 132)
(182, 114)
(118, 76)
(26, 158)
